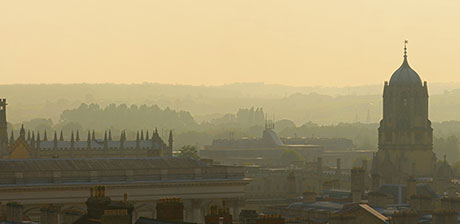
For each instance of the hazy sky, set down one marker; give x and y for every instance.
(210, 42)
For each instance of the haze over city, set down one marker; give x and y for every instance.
(207, 42)
(229, 112)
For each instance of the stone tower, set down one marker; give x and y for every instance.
(405, 133)
(3, 129)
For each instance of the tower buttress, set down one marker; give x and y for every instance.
(3, 129)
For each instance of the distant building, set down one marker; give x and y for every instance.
(31, 146)
(329, 144)
(266, 150)
(405, 134)
(34, 145)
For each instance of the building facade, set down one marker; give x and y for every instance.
(31, 146)
(36, 183)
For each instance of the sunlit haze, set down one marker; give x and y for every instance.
(209, 42)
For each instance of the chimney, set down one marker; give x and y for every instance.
(270, 219)
(248, 217)
(97, 202)
(218, 215)
(170, 210)
(405, 217)
(14, 212)
(49, 214)
(357, 184)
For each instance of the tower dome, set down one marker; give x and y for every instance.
(405, 75)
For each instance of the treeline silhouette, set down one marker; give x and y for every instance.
(122, 116)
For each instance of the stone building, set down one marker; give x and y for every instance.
(34, 146)
(405, 138)
(36, 183)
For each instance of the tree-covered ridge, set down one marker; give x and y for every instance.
(123, 116)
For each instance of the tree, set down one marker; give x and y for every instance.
(189, 151)
(291, 155)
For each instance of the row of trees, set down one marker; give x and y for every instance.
(132, 117)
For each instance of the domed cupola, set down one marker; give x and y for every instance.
(405, 75)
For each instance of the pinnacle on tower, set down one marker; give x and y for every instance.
(12, 138)
(72, 141)
(38, 140)
(61, 138)
(22, 132)
(55, 141)
(88, 140)
(105, 140)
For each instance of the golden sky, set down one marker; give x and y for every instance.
(212, 42)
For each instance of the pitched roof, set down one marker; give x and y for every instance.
(365, 207)
(55, 164)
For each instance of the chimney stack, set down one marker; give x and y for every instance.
(170, 210)
(405, 217)
(14, 212)
(357, 184)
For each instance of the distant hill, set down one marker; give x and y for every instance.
(322, 105)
